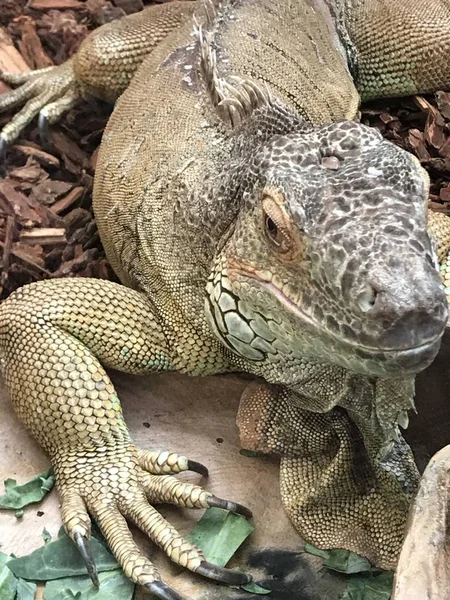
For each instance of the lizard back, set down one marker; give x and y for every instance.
(164, 141)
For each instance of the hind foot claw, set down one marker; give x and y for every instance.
(122, 483)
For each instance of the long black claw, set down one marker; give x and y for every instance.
(234, 507)
(193, 465)
(3, 146)
(84, 547)
(164, 591)
(44, 131)
(227, 576)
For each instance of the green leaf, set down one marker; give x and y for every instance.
(378, 587)
(310, 549)
(66, 595)
(251, 453)
(46, 536)
(342, 561)
(219, 534)
(18, 496)
(348, 562)
(59, 559)
(26, 590)
(254, 588)
(8, 583)
(113, 584)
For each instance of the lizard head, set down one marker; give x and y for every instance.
(329, 257)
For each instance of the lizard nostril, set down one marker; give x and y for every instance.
(368, 298)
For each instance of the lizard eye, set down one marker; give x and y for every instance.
(272, 230)
(277, 233)
(276, 225)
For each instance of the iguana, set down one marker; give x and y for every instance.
(256, 226)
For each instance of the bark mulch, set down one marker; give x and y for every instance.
(47, 227)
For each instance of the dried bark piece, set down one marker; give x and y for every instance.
(57, 5)
(23, 211)
(44, 158)
(47, 192)
(434, 129)
(443, 103)
(29, 174)
(76, 219)
(417, 143)
(103, 11)
(68, 200)
(62, 33)
(44, 236)
(444, 193)
(29, 43)
(444, 150)
(10, 58)
(129, 6)
(6, 251)
(74, 159)
(79, 265)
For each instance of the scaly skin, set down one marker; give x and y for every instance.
(251, 236)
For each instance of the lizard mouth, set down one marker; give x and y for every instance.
(409, 352)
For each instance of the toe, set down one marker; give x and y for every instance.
(21, 78)
(16, 97)
(168, 463)
(115, 529)
(77, 523)
(153, 524)
(177, 548)
(165, 488)
(168, 489)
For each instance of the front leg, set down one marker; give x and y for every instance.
(333, 488)
(103, 67)
(54, 335)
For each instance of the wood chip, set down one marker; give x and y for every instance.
(30, 45)
(6, 251)
(44, 236)
(423, 103)
(49, 191)
(44, 158)
(57, 5)
(10, 58)
(129, 6)
(29, 173)
(68, 200)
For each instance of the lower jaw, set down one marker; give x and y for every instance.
(395, 363)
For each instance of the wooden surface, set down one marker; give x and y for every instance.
(197, 417)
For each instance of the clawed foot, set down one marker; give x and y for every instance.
(48, 92)
(122, 483)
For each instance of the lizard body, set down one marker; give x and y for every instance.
(233, 196)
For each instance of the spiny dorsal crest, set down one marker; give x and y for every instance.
(235, 102)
